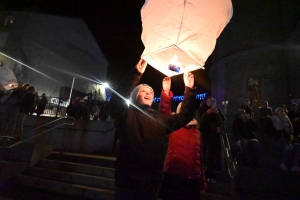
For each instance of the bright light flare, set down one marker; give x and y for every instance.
(106, 85)
(128, 102)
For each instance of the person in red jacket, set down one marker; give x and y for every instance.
(184, 175)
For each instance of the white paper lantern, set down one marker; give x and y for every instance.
(7, 78)
(179, 35)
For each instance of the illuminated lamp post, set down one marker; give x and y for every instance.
(179, 35)
(225, 103)
(7, 78)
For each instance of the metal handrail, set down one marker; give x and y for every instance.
(23, 141)
(231, 165)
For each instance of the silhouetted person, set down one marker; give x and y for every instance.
(294, 116)
(247, 108)
(41, 105)
(10, 108)
(210, 120)
(28, 99)
(243, 129)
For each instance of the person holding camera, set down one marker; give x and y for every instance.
(210, 120)
(243, 129)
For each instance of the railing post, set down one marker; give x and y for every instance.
(65, 137)
(58, 105)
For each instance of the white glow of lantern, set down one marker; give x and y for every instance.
(182, 30)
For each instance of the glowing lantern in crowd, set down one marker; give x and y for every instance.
(179, 35)
(7, 78)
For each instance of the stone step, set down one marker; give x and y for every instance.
(222, 176)
(71, 178)
(268, 181)
(95, 160)
(73, 191)
(210, 196)
(77, 168)
(219, 188)
(261, 196)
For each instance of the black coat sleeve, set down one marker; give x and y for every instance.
(118, 99)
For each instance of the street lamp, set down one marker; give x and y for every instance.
(225, 103)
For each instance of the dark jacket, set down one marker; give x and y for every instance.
(248, 110)
(293, 115)
(245, 130)
(139, 164)
(208, 123)
(27, 102)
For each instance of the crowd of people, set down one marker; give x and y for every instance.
(15, 107)
(274, 132)
(20, 102)
(88, 108)
(164, 153)
(173, 155)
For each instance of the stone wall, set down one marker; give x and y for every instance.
(229, 79)
(85, 136)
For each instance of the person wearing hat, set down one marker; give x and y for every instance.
(142, 132)
(184, 175)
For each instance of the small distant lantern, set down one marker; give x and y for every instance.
(7, 78)
(179, 35)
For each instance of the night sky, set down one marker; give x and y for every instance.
(116, 26)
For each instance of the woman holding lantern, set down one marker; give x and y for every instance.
(142, 132)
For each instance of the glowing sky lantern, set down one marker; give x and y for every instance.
(7, 78)
(179, 35)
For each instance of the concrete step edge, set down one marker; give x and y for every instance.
(66, 166)
(57, 187)
(85, 155)
(207, 195)
(71, 178)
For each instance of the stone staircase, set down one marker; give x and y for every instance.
(83, 176)
(65, 176)
(220, 190)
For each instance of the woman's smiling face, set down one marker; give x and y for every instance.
(145, 96)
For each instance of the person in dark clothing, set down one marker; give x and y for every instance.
(140, 157)
(103, 110)
(265, 112)
(243, 130)
(36, 102)
(264, 124)
(10, 108)
(1, 96)
(41, 105)
(90, 107)
(294, 116)
(210, 120)
(247, 108)
(28, 99)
